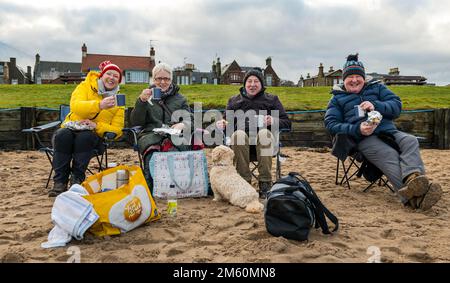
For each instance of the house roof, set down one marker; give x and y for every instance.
(63, 67)
(139, 63)
(197, 76)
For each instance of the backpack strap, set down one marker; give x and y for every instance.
(319, 209)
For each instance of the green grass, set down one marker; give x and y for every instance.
(293, 98)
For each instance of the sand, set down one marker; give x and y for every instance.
(373, 225)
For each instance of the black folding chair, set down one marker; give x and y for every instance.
(354, 164)
(279, 157)
(100, 154)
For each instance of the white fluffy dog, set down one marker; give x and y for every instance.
(227, 184)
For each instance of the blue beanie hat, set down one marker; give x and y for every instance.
(353, 67)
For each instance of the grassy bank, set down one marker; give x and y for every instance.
(293, 98)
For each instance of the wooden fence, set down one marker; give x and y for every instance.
(308, 129)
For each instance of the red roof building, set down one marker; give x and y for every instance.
(136, 69)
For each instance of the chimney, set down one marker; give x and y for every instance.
(152, 54)
(29, 72)
(38, 58)
(331, 69)
(83, 50)
(13, 62)
(213, 69)
(218, 68)
(321, 75)
(269, 61)
(308, 76)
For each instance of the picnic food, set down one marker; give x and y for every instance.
(374, 118)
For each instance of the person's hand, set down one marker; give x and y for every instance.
(108, 102)
(146, 95)
(178, 126)
(221, 124)
(367, 129)
(367, 106)
(268, 120)
(89, 123)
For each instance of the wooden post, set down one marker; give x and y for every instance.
(446, 130)
(27, 120)
(441, 128)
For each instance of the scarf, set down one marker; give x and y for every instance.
(106, 93)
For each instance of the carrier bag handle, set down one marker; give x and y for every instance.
(191, 171)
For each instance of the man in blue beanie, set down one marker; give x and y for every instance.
(347, 113)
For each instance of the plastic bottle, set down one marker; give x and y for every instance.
(172, 201)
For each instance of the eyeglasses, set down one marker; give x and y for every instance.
(162, 79)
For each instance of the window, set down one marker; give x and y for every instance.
(136, 77)
(204, 81)
(269, 80)
(1, 69)
(215, 81)
(234, 77)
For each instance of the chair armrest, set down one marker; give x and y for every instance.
(134, 131)
(38, 129)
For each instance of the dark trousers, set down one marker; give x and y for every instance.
(75, 146)
(147, 175)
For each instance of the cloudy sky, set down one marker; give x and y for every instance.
(413, 35)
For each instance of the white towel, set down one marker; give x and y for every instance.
(72, 213)
(57, 238)
(72, 216)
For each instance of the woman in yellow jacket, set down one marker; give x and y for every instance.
(93, 112)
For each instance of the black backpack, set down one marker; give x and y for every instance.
(293, 207)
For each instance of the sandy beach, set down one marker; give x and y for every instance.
(371, 224)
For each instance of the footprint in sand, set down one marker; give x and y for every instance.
(13, 258)
(258, 235)
(109, 259)
(246, 224)
(174, 251)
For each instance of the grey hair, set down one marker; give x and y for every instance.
(161, 67)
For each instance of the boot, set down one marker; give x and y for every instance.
(264, 188)
(416, 186)
(431, 197)
(57, 189)
(75, 180)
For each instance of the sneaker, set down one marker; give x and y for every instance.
(264, 188)
(415, 187)
(57, 189)
(431, 197)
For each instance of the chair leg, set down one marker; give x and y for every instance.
(337, 171)
(49, 177)
(278, 169)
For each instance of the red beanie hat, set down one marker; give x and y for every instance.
(107, 65)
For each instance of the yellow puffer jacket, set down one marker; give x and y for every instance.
(85, 104)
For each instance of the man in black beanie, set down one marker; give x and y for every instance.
(347, 114)
(252, 100)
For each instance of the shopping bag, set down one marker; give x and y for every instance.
(122, 208)
(186, 170)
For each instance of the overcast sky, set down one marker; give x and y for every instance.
(413, 35)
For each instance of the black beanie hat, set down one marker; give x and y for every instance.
(353, 67)
(257, 73)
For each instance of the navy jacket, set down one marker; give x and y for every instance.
(342, 115)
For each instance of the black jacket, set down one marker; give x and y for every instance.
(261, 101)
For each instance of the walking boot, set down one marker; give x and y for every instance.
(416, 186)
(57, 189)
(264, 188)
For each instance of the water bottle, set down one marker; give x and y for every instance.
(172, 201)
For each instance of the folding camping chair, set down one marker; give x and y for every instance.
(64, 110)
(356, 164)
(277, 154)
